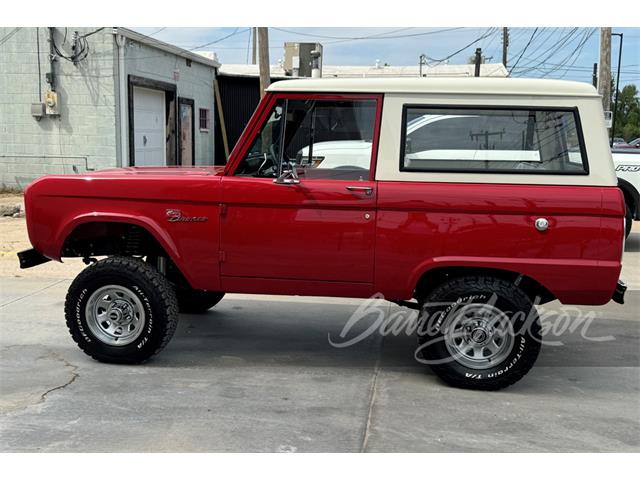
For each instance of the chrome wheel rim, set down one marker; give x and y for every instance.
(115, 315)
(479, 336)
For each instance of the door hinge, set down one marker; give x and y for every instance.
(223, 209)
(221, 256)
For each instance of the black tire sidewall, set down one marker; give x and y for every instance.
(197, 301)
(526, 328)
(156, 321)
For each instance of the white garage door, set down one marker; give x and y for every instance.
(149, 125)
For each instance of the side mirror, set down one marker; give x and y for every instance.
(288, 177)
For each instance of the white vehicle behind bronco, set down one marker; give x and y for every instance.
(627, 163)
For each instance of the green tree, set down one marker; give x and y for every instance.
(628, 113)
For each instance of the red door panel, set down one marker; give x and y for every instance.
(315, 230)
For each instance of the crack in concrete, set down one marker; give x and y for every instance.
(74, 376)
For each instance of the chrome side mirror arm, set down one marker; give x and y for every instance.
(288, 177)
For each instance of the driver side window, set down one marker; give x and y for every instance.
(263, 158)
(320, 139)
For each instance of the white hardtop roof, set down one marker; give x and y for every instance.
(466, 86)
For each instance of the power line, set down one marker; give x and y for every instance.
(553, 49)
(487, 33)
(156, 32)
(575, 53)
(524, 49)
(543, 41)
(235, 32)
(6, 38)
(377, 36)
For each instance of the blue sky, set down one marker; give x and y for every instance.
(552, 52)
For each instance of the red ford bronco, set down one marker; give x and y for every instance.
(471, 200)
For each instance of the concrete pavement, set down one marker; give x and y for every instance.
(258, 374)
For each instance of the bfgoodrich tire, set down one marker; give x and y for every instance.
(121, 310)
(478, 332)
(197, 301)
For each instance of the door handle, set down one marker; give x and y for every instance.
(365, 190)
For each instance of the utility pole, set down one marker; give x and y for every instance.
(594, 79)
(615, 105)
(604, 68)
(478, 61)
(505, 45)
(254, 39)
(263, 47)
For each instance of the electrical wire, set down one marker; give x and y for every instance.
(96, 31)
(377, 36)
(559, 45)
(6, 38)
(577, 51)
(487, 33)
(524, 49)
(156, 32)
(80, 46)
(235, 32)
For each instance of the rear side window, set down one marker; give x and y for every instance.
(495, 140)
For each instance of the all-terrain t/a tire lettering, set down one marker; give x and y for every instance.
(479, 332)
(121, 310)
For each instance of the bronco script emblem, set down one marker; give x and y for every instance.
(175, 215)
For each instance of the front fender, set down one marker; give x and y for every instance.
(147, 223)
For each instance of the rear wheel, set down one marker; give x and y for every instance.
(197, 301)
(628, 224)
(121, 310)
(478, 332)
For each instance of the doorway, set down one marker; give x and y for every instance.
(152, 123)
(187, 134)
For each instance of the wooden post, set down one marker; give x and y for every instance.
(478, 61)
(254, 41)
(604, 68)
(263, 47)
(223, 127)
(505, 45)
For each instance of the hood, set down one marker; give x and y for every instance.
(157, 171)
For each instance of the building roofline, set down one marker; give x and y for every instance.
(164, 46)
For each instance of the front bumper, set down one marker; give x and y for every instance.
(31, 258)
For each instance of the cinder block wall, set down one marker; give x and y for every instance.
(84, 135)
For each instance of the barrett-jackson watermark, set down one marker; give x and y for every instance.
(372, 317)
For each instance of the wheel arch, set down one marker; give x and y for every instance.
(113, 234)
(433, 277)
(631, 197)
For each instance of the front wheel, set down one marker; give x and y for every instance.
(121, 310)
(478, 332)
